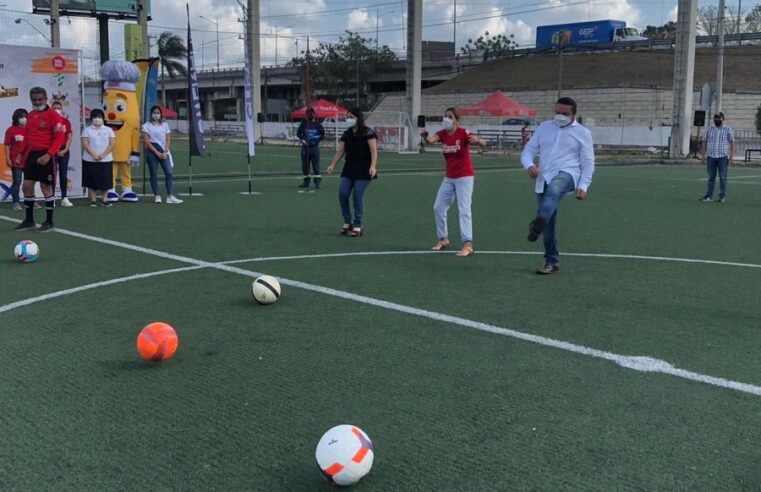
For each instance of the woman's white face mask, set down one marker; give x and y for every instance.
(447, 123)
(351, 121)
(22, 121)
(97, 121)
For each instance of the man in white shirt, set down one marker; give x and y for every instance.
(566, 163)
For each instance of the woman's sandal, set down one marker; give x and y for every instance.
(345, 229)
(441, 245)
(357, 231)
(467, 249)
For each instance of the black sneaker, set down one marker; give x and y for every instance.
(304, 185)
(548, 269)
(46, 227)
(25, 226)
(536, 227)
(706, 199)
(722, 200)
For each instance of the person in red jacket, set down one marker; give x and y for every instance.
(14, 150)
(62, 157)
(45, 135)
(458, 179)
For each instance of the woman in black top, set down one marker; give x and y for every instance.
(360, 145)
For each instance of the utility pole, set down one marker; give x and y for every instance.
(684, 72)
(414, 62)
(720, 58)
(454, 27)
(255, 61)
(739, 16)
(55, 26)
(142, 20)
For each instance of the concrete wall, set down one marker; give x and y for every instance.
(617, 106)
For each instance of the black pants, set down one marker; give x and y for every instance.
(63, 173)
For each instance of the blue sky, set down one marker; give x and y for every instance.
(325, 20)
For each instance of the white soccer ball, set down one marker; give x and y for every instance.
(266, 289)
(344, 455)
(26, 251)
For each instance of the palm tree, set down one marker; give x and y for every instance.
(171, 52)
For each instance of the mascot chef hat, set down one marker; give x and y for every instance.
(119, 75)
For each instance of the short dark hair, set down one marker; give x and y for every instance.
(37, 91)
(97, 112)
(568, 102)
(18, 114)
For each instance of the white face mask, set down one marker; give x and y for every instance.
(97, 121)
(351, 121)
(22, 121)
(447, 123)
(156, 116)
(561, 120)
(40, 107)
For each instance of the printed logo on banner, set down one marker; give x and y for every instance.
(59, 79)
(8, 92)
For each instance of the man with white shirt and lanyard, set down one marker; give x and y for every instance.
(566, 163)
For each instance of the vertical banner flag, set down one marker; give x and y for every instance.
(197, 147)
(248, 104)
(58, 72)
(147, 87)
(133, 42)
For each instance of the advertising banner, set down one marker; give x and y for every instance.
(57, 71)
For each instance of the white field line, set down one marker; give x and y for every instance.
(636, 363)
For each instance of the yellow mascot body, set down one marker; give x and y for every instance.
(123, 116)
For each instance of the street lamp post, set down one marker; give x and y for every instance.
(216, 24)
(277, 29)
(20, 20)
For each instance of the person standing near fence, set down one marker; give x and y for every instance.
(44, 137)
(566, 163)
(157, 139)
(14, 153)
(98, 142)
(360, 145)
(458, 179)
(718, 152)
(62, 157)
(310, 134)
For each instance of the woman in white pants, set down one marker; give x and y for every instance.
(458, 179)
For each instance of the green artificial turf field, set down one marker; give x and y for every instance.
(467, 373)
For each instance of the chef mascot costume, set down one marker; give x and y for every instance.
(123, 116)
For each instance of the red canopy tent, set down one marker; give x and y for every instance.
(498, 104)
(168, 113)
(322, 109)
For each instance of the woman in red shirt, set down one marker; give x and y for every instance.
(14, 153)
(458, 179)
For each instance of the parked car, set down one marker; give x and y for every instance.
(519, 121)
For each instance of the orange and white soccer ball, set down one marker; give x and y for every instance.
(344, 455)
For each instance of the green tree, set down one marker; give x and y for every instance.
(490, 46)
(708, 20)
(172, 52)
(753, 20)
(343, 70)
(666, 31)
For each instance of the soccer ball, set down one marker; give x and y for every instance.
(266, 289)
(344, 455)
(26, 251)
(157, 342)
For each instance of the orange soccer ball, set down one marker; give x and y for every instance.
(157, 342)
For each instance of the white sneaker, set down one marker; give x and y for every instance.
(157, 199)
(66, 203)
(173, 199)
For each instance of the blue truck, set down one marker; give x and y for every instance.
(585, 33)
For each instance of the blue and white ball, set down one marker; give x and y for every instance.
(26, 251)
